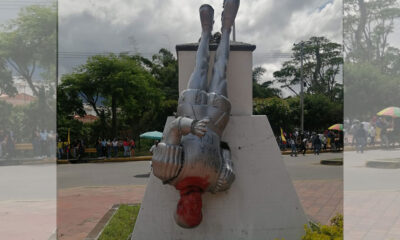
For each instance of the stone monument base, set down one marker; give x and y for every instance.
(261, 203)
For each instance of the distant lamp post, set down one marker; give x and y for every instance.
(301, 44)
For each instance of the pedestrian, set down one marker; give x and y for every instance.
(293, 147)
(109, 148)
(43, 143)
(126, 147)
(104, 147)
(361, 138)
(317, 144)
(132, 146)
(60, 146)
(99, 148)
(303, 146)
(154, 146)
(115, 147)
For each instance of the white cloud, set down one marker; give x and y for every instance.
(147, 26)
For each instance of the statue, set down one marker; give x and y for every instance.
(191, 156)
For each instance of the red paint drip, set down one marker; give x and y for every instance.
(188, 210)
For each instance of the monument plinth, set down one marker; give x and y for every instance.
(239, 72)
(261, 203)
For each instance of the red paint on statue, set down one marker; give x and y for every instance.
(188, 211)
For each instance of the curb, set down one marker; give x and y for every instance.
(105, 160)
(384, 164)
(332, 162)
(98, 229)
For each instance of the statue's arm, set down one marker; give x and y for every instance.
(182, 126)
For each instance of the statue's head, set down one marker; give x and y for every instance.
(188, 211)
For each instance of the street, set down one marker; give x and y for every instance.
(137, 173)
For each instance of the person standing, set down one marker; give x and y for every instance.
(115, 147)
(317, 144)
(293, 147)
(109, 148)
(104, 147)
(303, 146)
(132, 146)
(361, 138)
(126, 147)
(99, 148)
(60, 146)
(43, 143)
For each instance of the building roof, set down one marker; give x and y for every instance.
(89, 118)
(18, 100)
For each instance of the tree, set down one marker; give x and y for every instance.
(6, 80)
(322, 60)
(367, 25)
(265, 89)
(118, 86)
(319, 112)
(372, 65)
(278, 112)
(28, 43)
(165, 69)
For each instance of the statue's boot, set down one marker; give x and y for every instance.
(206, 17)
(229, 14)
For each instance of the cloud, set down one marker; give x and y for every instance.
(146, 26)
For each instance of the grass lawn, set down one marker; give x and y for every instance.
(121, 224)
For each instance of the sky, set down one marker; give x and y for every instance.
(98, 26)
(88, 27)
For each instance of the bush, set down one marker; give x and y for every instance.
(325, 232)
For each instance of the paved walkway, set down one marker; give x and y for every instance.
(79, 209)
(22, 220)
(372, 215)
(321, 199)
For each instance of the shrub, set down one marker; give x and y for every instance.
(325, 232)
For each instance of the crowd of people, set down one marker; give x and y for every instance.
(43, 143)
(379, 132)
(108, 148)
(299, 142)
(104, 148)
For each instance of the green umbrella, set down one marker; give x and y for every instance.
(152, 135)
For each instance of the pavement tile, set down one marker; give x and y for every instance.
(79, 209)
(22, 220)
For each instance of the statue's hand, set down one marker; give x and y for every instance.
(199, 128)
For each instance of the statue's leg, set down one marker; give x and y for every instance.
(218, 83)
(198, 79)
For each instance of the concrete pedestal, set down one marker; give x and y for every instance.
(261, 203)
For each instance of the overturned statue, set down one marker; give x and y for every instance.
(191, 156)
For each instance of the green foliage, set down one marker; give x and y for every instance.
(372, 65)
(29, 41)
(6, 80)
(325, 232)
(277, 110)
(319, 112)
(116, 86)
(369, 90)
(265, 89)
(165, 69)
(121, 224)
(321, 64)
